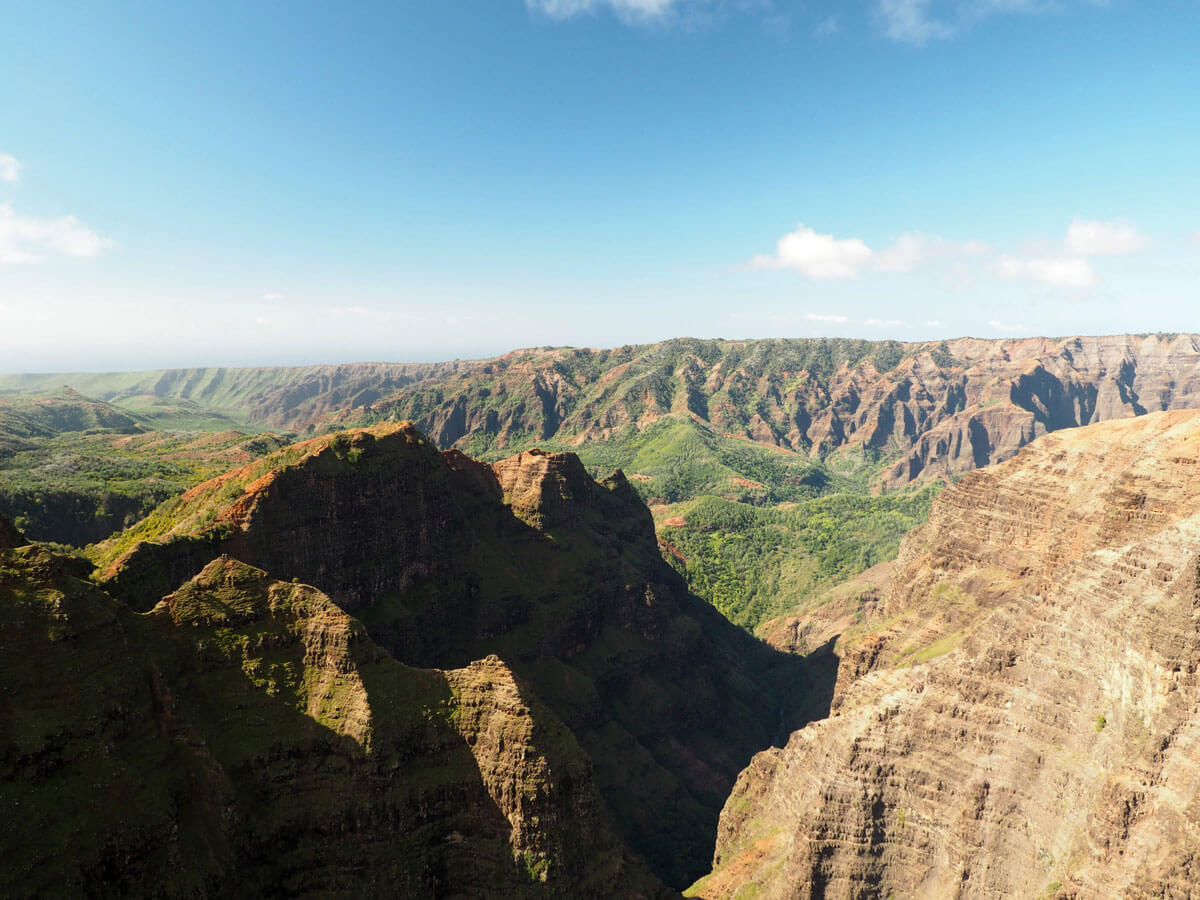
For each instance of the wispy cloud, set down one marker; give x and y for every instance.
(1116, 238)
(1063, 272)
(272, 296)
(1066, 264)
(29, 240)
(920, 21)
(628, 10)
(824, 257)
(10, 168)
(831, 319)
(1070, 268)
(912, 22)
(827, 27)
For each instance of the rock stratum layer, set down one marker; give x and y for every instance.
(1021, 718)
(446, 560)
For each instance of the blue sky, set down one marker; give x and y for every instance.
(253, 183)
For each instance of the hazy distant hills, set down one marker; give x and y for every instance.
(283, 398)
(929, 409)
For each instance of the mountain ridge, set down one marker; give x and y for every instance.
(446, 560)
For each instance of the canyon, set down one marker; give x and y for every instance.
(459, 657)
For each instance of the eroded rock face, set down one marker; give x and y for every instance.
(939, 409)
(1023, 718)
(247, 738)
(446, 560)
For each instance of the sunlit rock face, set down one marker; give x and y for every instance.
(1020, 716)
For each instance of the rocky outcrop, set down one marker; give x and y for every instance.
(1022, 716)
(446, 560)
(247, 738)
(363, 515)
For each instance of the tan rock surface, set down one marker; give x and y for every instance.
(1024, 716)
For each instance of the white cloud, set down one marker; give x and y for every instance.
(272, 297)
(628, 10)
(920, 21)
(818, 317)
(885, 323)
(909, 22)
(824, 257)
(28, 240)
(1054, 271)
(1116, 238)
(10, 168)
(908, 251)
(934, 323)
(819, 256)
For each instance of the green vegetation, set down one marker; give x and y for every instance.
(754, 564)
(1101, 722)
(73, 471)
(754, 529)
(677, 459)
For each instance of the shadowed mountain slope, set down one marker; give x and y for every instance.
(1019, 713)
(246, 738)
(446, 560)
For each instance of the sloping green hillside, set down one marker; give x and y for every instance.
(74, 470)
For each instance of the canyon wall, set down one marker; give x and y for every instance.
(1018, 714)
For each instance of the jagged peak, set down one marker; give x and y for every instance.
(545, 488)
